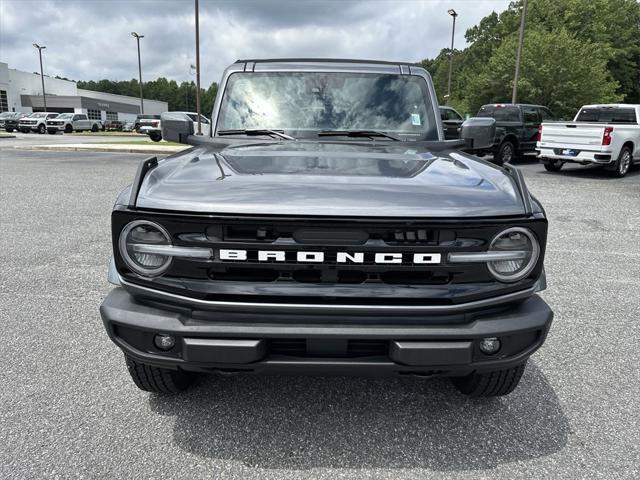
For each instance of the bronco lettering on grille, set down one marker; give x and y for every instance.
(320, 257)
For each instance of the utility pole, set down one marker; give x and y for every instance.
(514, 96)
(44, 95)
(138, 37)
(198, 66)
(453, 13)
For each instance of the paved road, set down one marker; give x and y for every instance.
(69, 410)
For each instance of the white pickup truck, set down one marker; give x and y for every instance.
(606, 135)
(72, 122)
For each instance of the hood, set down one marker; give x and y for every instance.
(330, 179)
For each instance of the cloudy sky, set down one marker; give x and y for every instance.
(90, 39)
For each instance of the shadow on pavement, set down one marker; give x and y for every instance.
(306, 422)
(591, 171)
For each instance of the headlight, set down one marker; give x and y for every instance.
(137, 242)
(521, 250)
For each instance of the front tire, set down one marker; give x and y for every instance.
(490, 384)
(623, 164)
(156, 137)
(9, 130)
(156, 379)
(68, 129)
(94, 128)
(553, 165)
(42, 129)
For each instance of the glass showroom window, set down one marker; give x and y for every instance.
(4, 105)
(93, 114)
(112, 116)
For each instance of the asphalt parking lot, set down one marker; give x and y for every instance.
(68, 408)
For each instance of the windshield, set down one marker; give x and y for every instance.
(38, 115)
(305, 103)
(65, 115)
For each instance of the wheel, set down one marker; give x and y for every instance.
(9, 130)
(94, 128)
(158, 380)
(623, 164)
(490, 384)
(68, 128)
(52, 132)
(156, 137)
(553, 165)
(42, 129)
(506, 153)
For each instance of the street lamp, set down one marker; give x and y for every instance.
(197, 8)
(192, 71)
(44, 95)
(138, 37)
(453, 13)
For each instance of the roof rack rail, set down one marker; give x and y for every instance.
(143, 169)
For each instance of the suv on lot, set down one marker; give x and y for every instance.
(36, 122)
(326, 227)
(516, 129)
(72, 122)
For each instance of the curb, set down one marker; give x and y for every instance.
(105, 148)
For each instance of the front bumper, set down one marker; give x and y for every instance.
(304, 344)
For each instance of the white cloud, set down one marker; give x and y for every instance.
(91, 39)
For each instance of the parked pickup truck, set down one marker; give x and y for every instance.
(516, 129)
(9, 120)
(36, 122)
(606, 135)
(325, 226)
(72, 122)
(155, 130)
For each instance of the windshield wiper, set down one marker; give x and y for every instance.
(256, 131)
(358, 133)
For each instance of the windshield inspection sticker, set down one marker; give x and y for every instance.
(415, 119)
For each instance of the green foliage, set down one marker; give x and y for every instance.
(572, 74)
(180, 97)
(575, 52)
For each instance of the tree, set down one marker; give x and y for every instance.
(601, 39)
(557, 70)
(180, 97)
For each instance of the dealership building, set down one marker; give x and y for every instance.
(22, 92)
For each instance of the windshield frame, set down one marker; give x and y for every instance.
(330, 66)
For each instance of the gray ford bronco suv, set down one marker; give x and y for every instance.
(324, 226)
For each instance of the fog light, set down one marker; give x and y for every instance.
(489, 345)
(164, 342)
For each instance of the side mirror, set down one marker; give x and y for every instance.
(478, 132)
(176, 127)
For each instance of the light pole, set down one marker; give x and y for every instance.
(198, 65)
(44, 95)
(192, 71)
(514, 96)
(453, 13)
(138, 37)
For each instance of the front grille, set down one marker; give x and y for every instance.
(328, 281)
